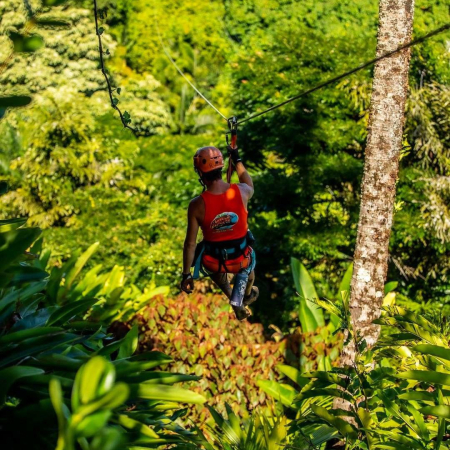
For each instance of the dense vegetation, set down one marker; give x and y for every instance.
(84, 179)
(81, 310)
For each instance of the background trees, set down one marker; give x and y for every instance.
(307, 158)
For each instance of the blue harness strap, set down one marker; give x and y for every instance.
(198, 264)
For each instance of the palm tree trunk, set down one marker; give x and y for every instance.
(384, 142)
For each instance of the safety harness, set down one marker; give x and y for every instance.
(223, 252)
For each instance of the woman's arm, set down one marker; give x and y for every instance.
(190, 242)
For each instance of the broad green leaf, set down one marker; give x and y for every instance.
(389, 299)
(442, 422)
(281, 392)
(389, 287)
(332, 378)
(216, 416)
(159, 378)
(10, 224)
(76, 269)
(322, 434)
(294, 374)
(345, 428)
(404, 315)
(26, 43)
(43, 380)
(18, 336)
(56, 397)
(313, 393)
(395, 410)
(114, 398)
(73, 309)
(310, 315)
(136, 426)
(52, 23)
(427, 376)
(93, 423)
(108, 439)
(126, 367)
(36, 319)
(346, 281)
(437, 410)
(10, 375)
(93, 380)
(57, 362)
(418, 396)
(13, 244)
(165, 393)
(233, 421)
(129, 344)
(399, 437)
(433, 350)
(419, 422)
(23, 294)
(33, 346)
(14, 101)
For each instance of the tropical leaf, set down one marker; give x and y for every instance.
(10, 375)
(282, 392)
(310, 315)
(165, 393)
(345, 428)
(293, 374)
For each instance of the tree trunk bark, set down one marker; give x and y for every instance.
(384, 142)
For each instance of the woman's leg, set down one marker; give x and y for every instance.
(251, 280)
(221, 279)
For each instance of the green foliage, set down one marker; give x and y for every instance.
(55, 359)
(258, 432)
(68, 154)
(132, 194)
(394, 395)
(310, 315)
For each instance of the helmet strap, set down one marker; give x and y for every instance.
(200, 180)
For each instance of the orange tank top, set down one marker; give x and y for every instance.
(225, 216)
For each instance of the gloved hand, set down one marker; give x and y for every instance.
(234, 153)
(187, 284)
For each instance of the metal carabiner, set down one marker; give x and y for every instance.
(232, 125)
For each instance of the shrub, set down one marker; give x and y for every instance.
(202, 335)
(54, 360)
(206, 338)
(395, 394)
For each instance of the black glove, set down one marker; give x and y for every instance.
(234, 154)
(187, 283)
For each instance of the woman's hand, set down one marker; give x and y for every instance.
(187, 284)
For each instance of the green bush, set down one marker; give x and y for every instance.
(55, 358)
(395, 395)
(258, 432)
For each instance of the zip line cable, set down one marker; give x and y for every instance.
(315, 88)
(183, 75)
(350, 72)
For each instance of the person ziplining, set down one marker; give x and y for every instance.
(221, 213)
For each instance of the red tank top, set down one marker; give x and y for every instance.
(225, 216)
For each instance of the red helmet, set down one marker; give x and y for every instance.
(207, 159)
